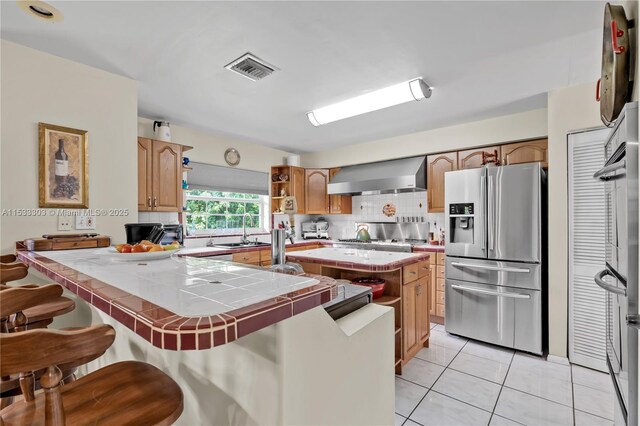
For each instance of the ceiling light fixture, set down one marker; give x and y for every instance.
(41, 10)
(412, 90)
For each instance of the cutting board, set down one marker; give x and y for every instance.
(67, 242)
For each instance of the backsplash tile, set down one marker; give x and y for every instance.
(166, 218)
(368, 208)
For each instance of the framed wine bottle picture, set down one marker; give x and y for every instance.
(64, 167)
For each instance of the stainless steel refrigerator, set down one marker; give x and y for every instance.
(494, 271)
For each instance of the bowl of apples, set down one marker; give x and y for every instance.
(144, 250)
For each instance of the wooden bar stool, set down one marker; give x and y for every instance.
(38, 316)
(26, 307)
(8, 258)
(12, 271)
(125, 393)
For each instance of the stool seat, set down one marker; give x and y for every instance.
(56, 307)
(125, 393)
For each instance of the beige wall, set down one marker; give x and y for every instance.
(524, 125)
(570, 109)
(209, 148)
(38, 87)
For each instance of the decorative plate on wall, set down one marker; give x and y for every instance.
(232, 157)
(389, 210)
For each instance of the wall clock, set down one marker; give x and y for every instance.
(232, 157)
(613, 88)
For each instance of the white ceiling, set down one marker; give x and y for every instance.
(483, 59)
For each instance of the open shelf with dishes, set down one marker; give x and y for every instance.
(286, 181)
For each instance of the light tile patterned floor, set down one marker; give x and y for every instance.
(460, 382)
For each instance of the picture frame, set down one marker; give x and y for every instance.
(63, 167)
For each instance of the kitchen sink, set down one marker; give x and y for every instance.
(242, 245)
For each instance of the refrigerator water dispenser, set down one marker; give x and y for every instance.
(461, 226)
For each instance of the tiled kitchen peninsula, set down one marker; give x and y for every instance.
(234, 357)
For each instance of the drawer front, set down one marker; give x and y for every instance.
(246, 257)
(432, 258)
(423, 269)
(440, 284)
(440, 297)
(440, 272)
(504, 316)
(440, 310)
(440, 257)
(511, 274)
(410, 273)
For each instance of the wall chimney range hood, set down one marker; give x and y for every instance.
(385, 177)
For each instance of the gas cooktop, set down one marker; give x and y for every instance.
(382, 245)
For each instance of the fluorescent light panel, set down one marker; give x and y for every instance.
(413, 90)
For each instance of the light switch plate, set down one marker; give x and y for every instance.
(64, 223)
(85, 222)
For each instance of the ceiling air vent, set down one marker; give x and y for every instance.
(251, 67)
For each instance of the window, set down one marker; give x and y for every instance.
(209, 211)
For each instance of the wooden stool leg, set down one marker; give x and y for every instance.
(53, 408)
(28, 386)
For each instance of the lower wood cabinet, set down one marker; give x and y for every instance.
(415, 314)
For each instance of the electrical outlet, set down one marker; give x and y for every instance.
(85, 222)
(64, 223)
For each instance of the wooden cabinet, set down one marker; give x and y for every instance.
(432, 284)
(317, 197)
(294, 187)
(415, 309)
(437, 166)
(411, 342)
(475, 158)
(159, 176)
(298, 187)
(338, 204)
(526, 152)
(144, 175)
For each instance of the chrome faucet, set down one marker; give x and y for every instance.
(244, 239)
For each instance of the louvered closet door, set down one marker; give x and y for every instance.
(586, 249)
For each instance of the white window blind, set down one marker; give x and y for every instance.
(586, 249)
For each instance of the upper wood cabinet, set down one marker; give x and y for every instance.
(475, 158)
(526, 152)
(338, 204)
(316, 195)
(159, 176)
(298, 187)
(144, 174)
(437, 166)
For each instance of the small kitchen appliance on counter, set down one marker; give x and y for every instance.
(322, 228)
(172, 233)
(309, 230)
(137, 232)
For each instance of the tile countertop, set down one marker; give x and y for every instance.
(217, 251)
(182, 302)
(366, 260)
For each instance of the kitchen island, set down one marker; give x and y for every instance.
(246, 345)
(407, 288)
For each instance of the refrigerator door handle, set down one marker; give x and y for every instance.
(491, 214)
(491, 293)
(608, 287)
(492, 268)
(483, 201)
